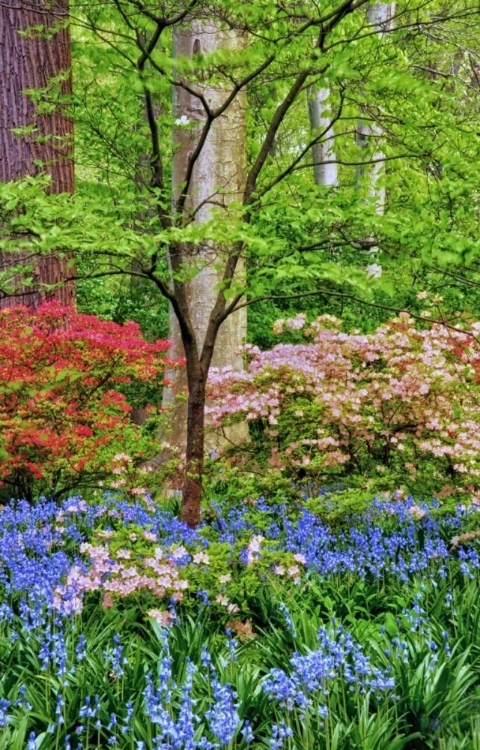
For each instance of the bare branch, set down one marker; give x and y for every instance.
(292, 167)
(269, 139)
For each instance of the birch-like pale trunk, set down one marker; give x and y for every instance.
(380, 16)
(218, 179)
(325, 171)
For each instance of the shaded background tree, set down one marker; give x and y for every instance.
(209, 173)
(36, 131)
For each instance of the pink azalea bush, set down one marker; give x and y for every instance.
(130, 562)
(119, 574)
(402, 402)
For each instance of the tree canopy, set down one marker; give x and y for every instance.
(195, 156)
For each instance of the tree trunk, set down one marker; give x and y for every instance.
(30, 61)
(217, 180)
(324, 173)
(379, 15)
(195, 447)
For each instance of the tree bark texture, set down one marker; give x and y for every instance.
(218, 179)
(195, 446)
(324, 171)
(29, 61)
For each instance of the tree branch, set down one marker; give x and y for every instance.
(293, 165)
(269, 139)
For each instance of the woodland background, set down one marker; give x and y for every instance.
(176, 164)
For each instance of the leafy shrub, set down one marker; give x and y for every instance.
(127, 561)
(62, 417)
(399, 406)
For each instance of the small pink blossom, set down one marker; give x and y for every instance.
(164, 618)
(179, 552)
(416, 512)
(300, 558)
(201, 557)
(124, 554)
(107, 601)
(253, 548)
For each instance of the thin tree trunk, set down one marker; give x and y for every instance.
(195, 447)
(138, 415)
(369, 132)
(218, 180)
(30, 61)
(325, 171)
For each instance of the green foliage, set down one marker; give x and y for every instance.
(229, 575)
(299, 236)
(417, 635)
(138, 161)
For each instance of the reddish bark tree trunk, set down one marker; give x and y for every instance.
(28, 60)
(192, 486)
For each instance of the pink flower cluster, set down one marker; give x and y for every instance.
(400, 393)
(118, 574)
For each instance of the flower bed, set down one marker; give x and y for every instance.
(263, 628)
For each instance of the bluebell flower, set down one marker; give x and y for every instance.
(115, 658)
(112, 723)
(280, 732)
(81, 648)
(288, 619)
(222, 715)
(128, 717)
(4, 706)
(247, 732)
(87, 711)
(60, 705)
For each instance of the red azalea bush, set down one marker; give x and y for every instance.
(402, 403)
(62, 418)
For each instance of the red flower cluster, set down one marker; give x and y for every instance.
(60, 416)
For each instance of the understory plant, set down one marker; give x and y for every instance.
(399, 406)
(63, 416)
